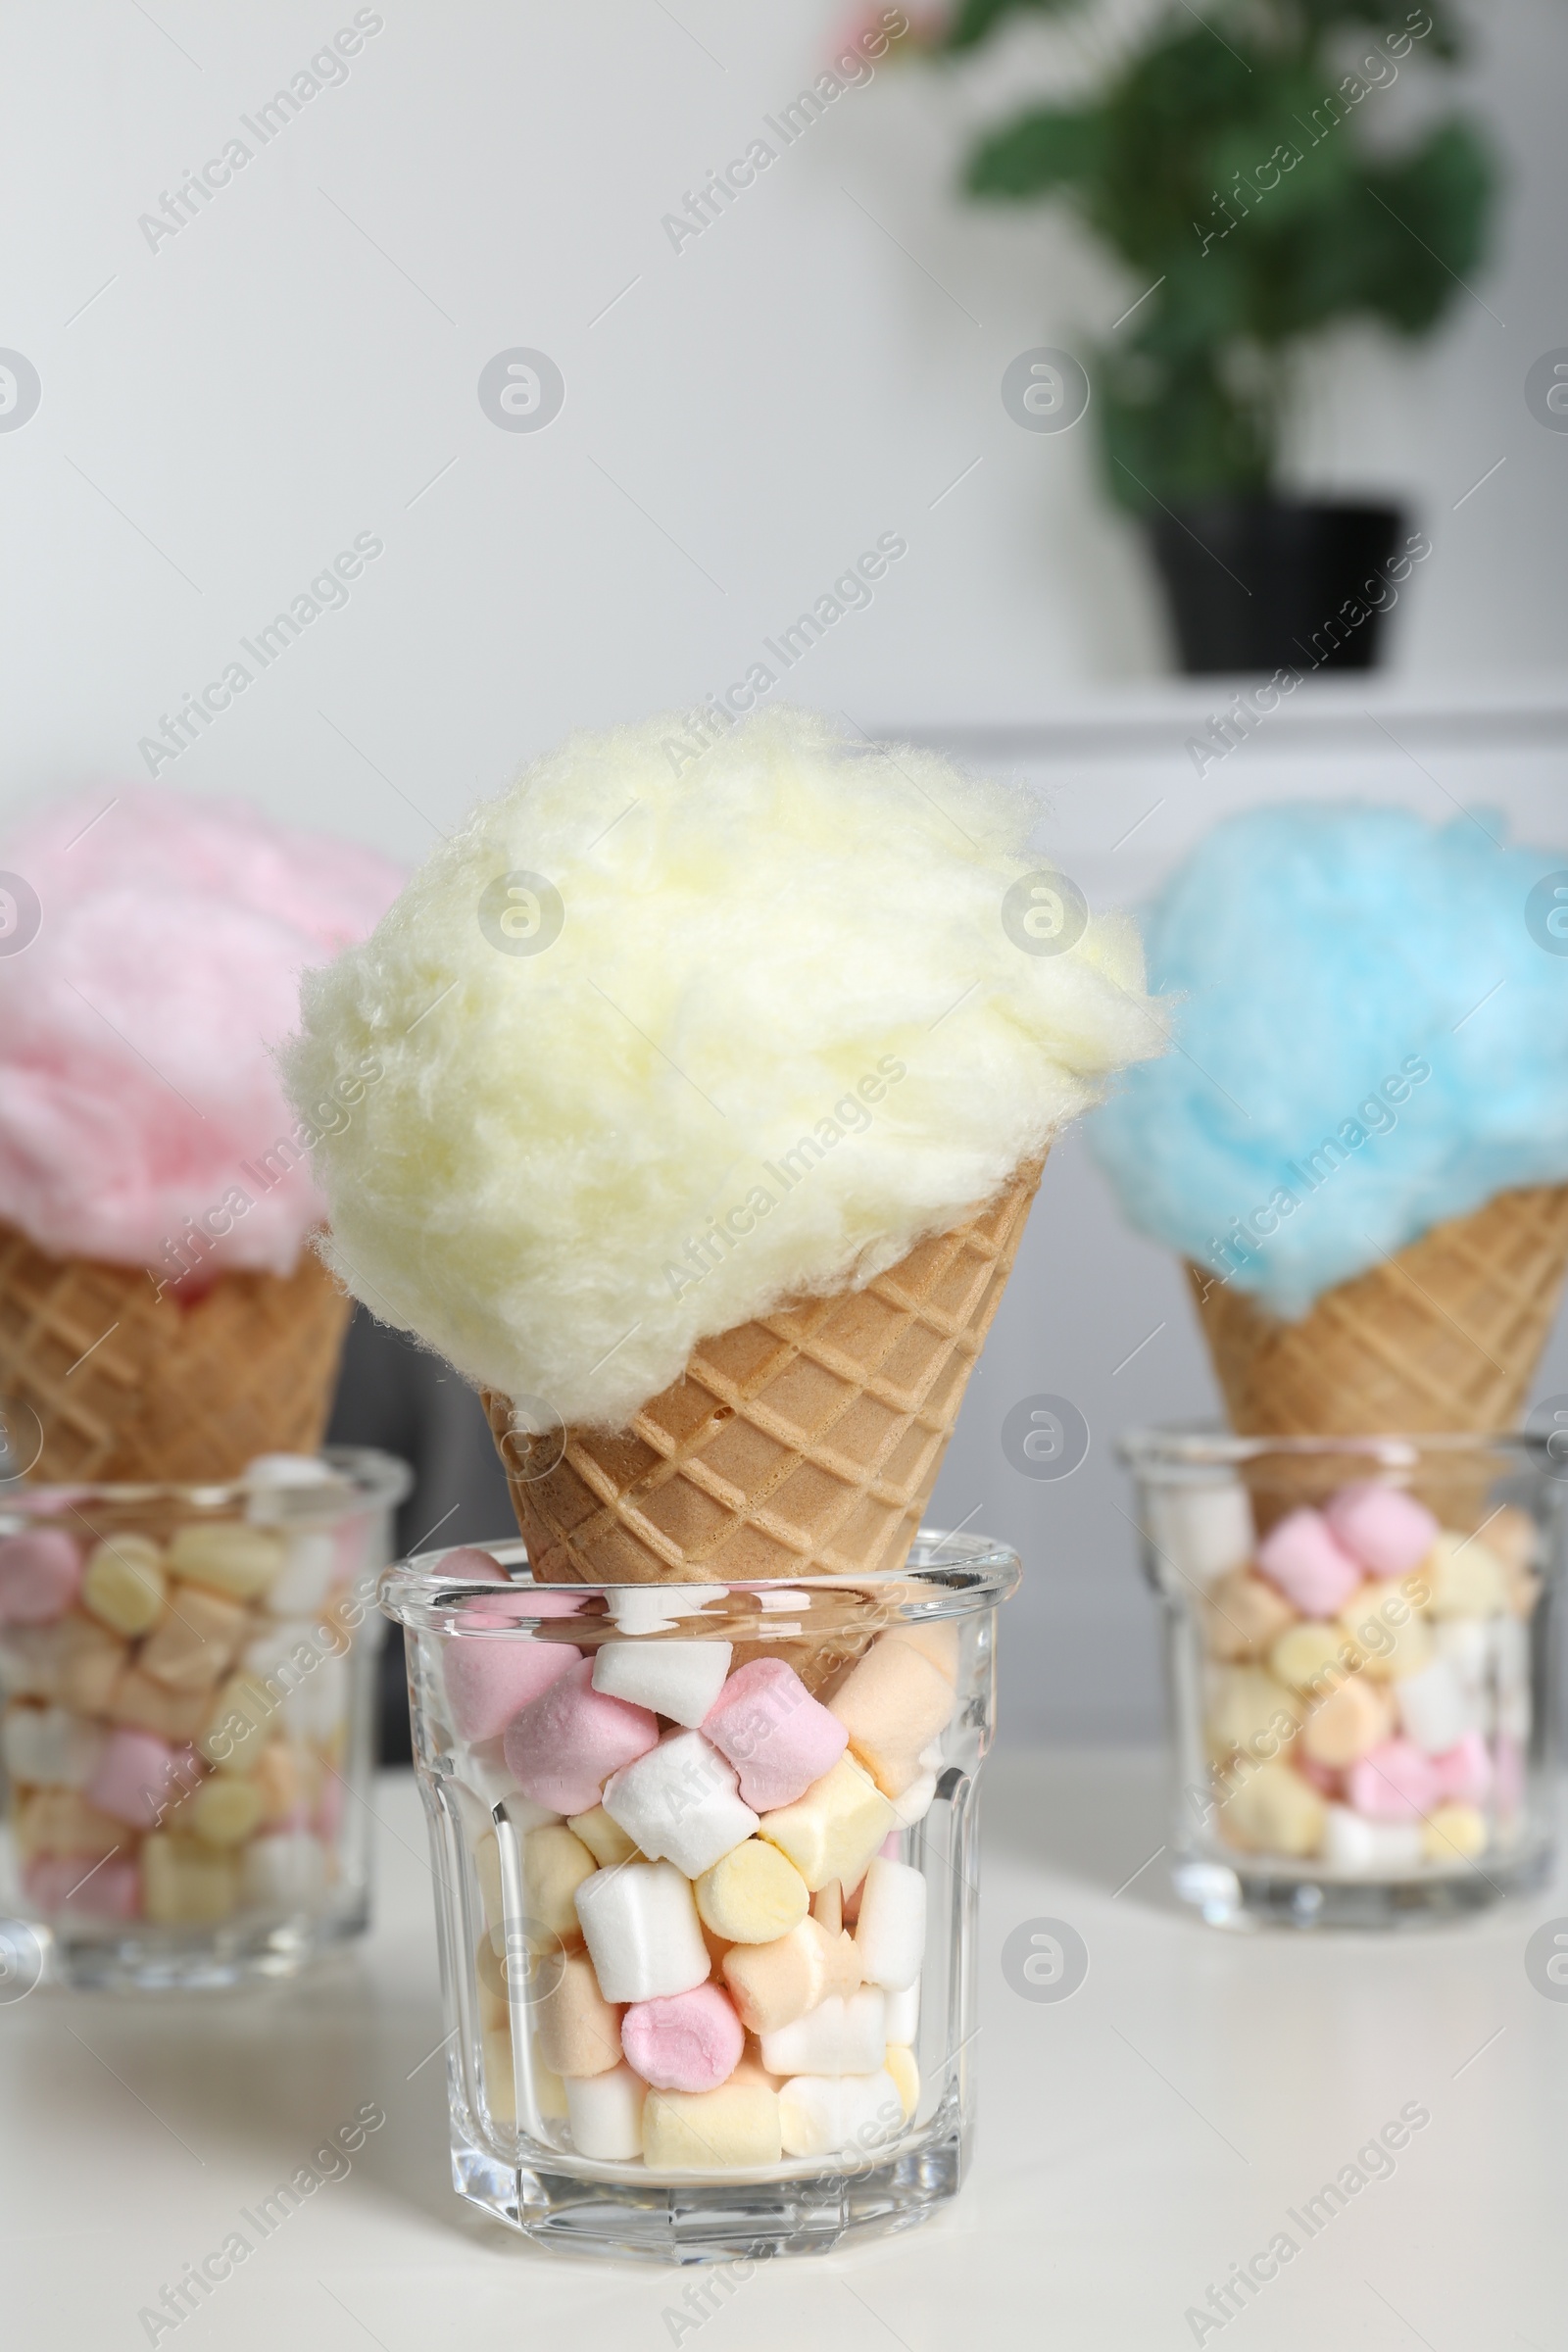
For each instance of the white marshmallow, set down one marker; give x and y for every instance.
(306, 1577)
(838, 2037)
(1465, 1644)
(913, 1803)
(1205, 1532)
(271, 1478)
(1510, 1658)
(655, 1608)
(50, 1746)
(681, 1803)
(1352, 1843)
(606, 2114)
(642, 1929)
(1432, 1708)
(287, 1868)
(890, 1934)
(678, 1679)
(823, 2115)
(901, 2014)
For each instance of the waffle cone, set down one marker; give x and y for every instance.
(130, 1386)
(805, 1443)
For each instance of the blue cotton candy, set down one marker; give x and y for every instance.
(1371, 1036)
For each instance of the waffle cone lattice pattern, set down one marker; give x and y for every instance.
(128, 1386)
(806, 1442)
(1444, 1336)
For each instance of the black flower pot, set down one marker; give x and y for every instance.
(1268, 584)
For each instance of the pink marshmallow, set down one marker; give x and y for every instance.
(468, 1565)
(567, 1742)
(1392, 1783)
(64, 1883)
(1323, 1776)
(1389, 1532)
(1464, 1771)
(774, 1733)
(40, 1575)
(1303, 1561)
(686, 2041)
(488, 1682)
(136, 1777)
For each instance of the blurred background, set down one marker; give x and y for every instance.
(458, 282)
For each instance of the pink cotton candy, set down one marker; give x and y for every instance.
(1386, 1530)
(1392, 1783)
(40, 1574)
(488, 1682)
(776, 1734)
(563, 1748)
(1464, 1771)
(686, 2041)
(1306, 1562)
(137, 1090)
(54, 1884)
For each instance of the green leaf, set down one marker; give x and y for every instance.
(975, 21)
(1037, 154)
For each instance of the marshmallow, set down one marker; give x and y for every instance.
(1247, 1709)
(1453, 1834)
(555, 1865)
(578, 2030)
(1464, 1577)
(566, 1743)
(549, 2090)
(1370, 1849)
(1510, 1648)
(1242, 1616)
(135, 1779)
(223, 1811)
(753, 1895)
(838, 2037)
(680, 1803)
(1396, 1782)
(143, 1705)
(1204, 1532)
(287, 1870)
(40, 1575)
(776, 1734)
(30, 1657)
(912, 1804)
(1466, 1645)
(239, 1723)
(774, 1984)
(90, 1659)
(605, 1840)
(605, 2115)
(836, 1826)
(642, 1930)
(890, 1935)
(66, 1882)
(1465, 1771)
(1311, 1567)
(228, 1557)
(1433, 1710)
(710, 2130)
(499, 2084)
(488, 1682)
(1386, 1530)
(124, 1585)
(196, 1643)
(49, 1745)
(656, 1608)
(1349, 1723)
(482, 1769)
(185, 1885)
(678, 1679)
(902, 2013)
(306, 1578)
(57, 1821)
(1312, 1657)
(821, 2114)
(1392, 1639)
(895, 1701)
(690, 2041)
(282, 1778)
(899, 2059)
(1274, 1810)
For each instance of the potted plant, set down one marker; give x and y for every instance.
(1236, 165)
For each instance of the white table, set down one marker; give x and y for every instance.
(1136, 2142)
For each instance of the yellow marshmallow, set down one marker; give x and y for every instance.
(773, 1983)
(899, 2059)
(706, 2130)
(238, 1725)
(834, 1829)
(1453, 1834)
(224, 1811)
(91, 1661)
(1275, 1811)
(1242, 1616)
(579, 2030)
(124, 1585)
(1464, 1577)
(1314, 1657)
(229, 1556)
(753, 1895)
(499, 2092)
(185, 1885)
(1390, 1635)
(1247, 1709)
(605, 1840)
(555, 1865)
(549, 2089)
(893, 1705)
